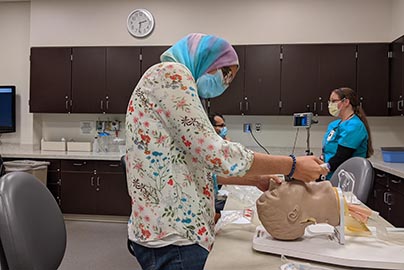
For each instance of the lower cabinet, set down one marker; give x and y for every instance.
(94, 187)
(388, 197)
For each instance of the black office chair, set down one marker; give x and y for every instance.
(362, 169)
(32, 229)
(2, 168)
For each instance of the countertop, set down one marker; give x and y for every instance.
(33, 151)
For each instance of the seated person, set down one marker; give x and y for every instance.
(286, 209)
(349, 135)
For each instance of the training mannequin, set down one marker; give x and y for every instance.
(286, 209)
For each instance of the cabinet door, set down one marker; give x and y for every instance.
(88, 80)
(373, 78)
(262, 79)
(112, 194)
(232, 101)
(78, 192)
(112, 189)
(396, 77)
(123, 73)
(337, 68)
(50, 85)
(299, 78)
(151, 56)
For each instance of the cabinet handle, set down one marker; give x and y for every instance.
(246, 106)
(92, 181)
(380, 175)
(400, 104)
(394, 181)
(107, 104)
(388, 198)
(241, 106)
(321, 106)
(114, 165)
(102, 104)
(98, 181)
(79, 164)
(315, 106)
(360, 101)
(67, 105)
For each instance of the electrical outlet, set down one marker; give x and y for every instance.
(247, 127)
(257, 127)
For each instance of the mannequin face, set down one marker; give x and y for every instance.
(285, 210)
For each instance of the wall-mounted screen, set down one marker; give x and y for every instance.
(7, 109)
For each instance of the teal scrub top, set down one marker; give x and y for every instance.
(350, 133)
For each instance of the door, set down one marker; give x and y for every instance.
(373, 78)
(337, 68)
(299, 77)
(232, 101)
(50, 85)
(396, 77)
(262, 79)
(123, 73)
(88, 80)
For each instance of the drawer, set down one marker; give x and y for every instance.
(109, 166)
(397, 184)
(78, 165)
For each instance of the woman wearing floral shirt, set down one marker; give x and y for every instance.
(172, 151)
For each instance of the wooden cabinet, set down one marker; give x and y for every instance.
(94, 187)
(123, 73)
(50, 81)
(83, 79)
(397, 77)
(311, 71)
(256, 87)
(373, 78)
(388, 197)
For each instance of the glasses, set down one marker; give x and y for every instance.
(220, 125)
(227, 75)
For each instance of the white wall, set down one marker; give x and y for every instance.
(102, 22)
(397, 18)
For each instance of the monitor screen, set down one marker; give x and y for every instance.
(7, 109)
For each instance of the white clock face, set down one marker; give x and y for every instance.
(140, 23)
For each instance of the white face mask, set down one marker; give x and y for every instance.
(333, 109)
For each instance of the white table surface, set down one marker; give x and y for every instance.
(233, 247)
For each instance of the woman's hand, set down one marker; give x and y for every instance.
(308, 168)
(262, 181)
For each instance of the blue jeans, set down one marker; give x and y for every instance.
(190, 257)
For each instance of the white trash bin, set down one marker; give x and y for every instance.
(39, 169)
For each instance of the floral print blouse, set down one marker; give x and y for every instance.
(172, 151)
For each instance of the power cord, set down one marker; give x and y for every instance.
(252, 135)
(294, 144)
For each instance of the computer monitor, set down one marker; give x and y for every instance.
(7, 109)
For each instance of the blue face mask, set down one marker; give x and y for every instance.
(211, 85)
(223, 132)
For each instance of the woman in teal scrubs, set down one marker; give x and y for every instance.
(349, 135)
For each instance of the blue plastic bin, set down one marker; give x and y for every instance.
(393, 154)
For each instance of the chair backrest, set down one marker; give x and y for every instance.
(32, 228)
(362, 169)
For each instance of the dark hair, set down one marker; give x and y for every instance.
(352, 96)
(212, 118)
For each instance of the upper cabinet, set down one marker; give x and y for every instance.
(373, 78)
(396, 77)
(50, 90)
(311, 71)
(271, 80)
(123, 73)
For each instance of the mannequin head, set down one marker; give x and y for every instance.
(286, 209)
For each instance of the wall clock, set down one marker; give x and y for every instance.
(140, 23)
